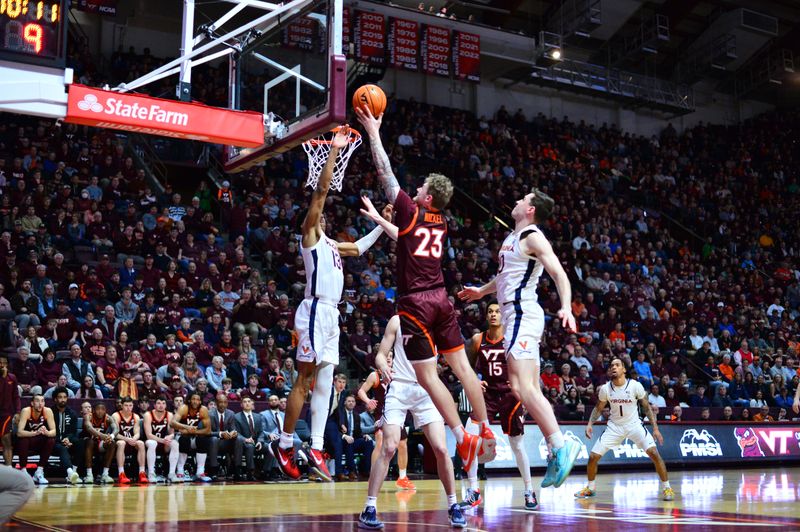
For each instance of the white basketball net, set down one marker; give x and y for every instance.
(318, 149)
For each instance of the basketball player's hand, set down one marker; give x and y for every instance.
(589, 430)
(371, 124)
(387, 375)
(342, 137)
(657, 435)
(386, 212)
(484, 385)
(567, 320)
(796, 406)
(372, 403)
(470, 293)
(369, 210)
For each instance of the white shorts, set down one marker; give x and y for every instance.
(523, 327)
(404, 397)
(616, 434)
(317, 326)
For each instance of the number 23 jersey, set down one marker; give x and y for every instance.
(422, 234)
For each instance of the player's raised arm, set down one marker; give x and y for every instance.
(372, 126)
(648, 412)
(536, 245)
(381, 360)
(311, 227)
(383, 219)
(360, 246)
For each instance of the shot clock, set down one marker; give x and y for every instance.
(33, 31)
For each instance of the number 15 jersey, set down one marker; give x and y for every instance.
(492, 366)
(422, 234)
(324, 273)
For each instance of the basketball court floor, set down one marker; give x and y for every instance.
(739, 499)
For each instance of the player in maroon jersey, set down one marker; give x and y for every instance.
(422, 303)
(376, 385)
(194, 425)
(160, 439)
(99, 429)
(36, 432)
(9, 406)
(129, 440)
(487, 351)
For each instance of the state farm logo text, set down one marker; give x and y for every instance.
(149, 112)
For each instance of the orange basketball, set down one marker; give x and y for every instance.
(371, 97)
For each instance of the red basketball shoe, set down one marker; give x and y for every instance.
(317, 464)
(123, 479)
(285, 459)
(468, 449)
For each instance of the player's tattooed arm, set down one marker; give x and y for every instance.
(598, 410)
(384, 167)
(113, 428)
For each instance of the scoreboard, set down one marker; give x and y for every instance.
(33, 31)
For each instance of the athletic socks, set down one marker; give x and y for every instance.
(591, 485)
(141, 469)
(372, 502)
(458, 432)
(472, 475)
(402, 473)
(556, 440)
(451, 500)
(665, 485)
(105, 471)
(120, 470)
(287, 441)
(201, 463)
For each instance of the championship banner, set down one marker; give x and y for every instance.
(104, 7)
(370, 38)
(683, 443)
(404, 44)
(346, 28)
(436, 51)
(467, 56)
(169, 118)
(301, 34)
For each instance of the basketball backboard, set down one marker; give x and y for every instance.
(296, 74)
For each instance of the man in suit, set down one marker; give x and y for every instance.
(354, 440)
(239, 372)
(250, 426)
(333, 431)
(273, 424)
(224, 437)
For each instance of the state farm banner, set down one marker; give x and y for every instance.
(683, 443)
(302, 34)
(404, 44)
(370, 38)
(436, 51)
(467, 56)
(169, 118)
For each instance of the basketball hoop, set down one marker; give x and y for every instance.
(318, 149)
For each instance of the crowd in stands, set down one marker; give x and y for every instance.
(682, 251)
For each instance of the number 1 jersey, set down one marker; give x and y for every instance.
(422, 234)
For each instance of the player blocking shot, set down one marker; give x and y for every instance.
(486, 348)
(425, 311)
(404, 394)
(317, 316)
(524, 256)
(624, 396)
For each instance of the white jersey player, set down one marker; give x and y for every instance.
(624, 396)
(317, 322)
(404, 394)
(524, 255)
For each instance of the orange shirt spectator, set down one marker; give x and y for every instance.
(616, 335)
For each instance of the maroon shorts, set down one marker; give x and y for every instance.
(505, 409)
(6, 425)
(430, 319)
